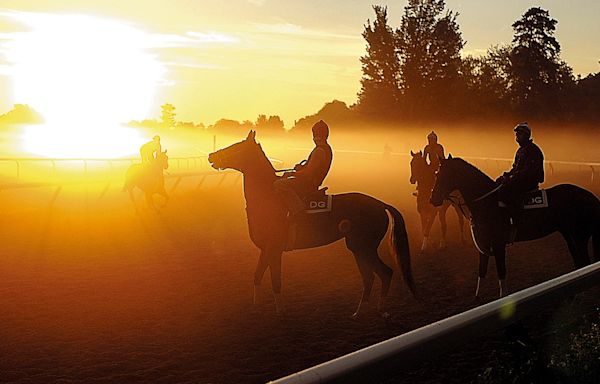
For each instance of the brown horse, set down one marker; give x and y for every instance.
(423, 175)
(359, 219)
(149, 178)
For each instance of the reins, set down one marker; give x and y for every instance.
(487, 194)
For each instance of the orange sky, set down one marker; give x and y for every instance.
(232, 59)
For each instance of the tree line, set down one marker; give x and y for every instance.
(416, 71)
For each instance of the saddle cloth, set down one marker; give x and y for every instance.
(536, 199)
(318, 203)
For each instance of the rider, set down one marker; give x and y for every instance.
(308, 175)
(433, 150)
(149, 149)
(526, 173)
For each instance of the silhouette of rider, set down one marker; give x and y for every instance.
(525, 175)
(150, 150)
(433, 150)
(308, 175)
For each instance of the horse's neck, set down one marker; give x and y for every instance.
(475, 185)
(258, 184)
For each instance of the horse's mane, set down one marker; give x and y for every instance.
(263, 157)
(472, 169)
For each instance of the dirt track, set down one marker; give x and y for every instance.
(97, 293)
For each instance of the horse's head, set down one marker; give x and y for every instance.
(237, 155)
(445, 182)
(162, 160)
(418, 166)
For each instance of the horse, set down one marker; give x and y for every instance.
(572, 211)
(423, 175)
(149, 178)
(359, 219)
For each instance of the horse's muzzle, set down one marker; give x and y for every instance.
(212, 159)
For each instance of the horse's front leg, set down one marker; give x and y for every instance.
(274, 258)
(500, 255)
(483, 266)
(165, 195)
(261, 268)
(150, 201)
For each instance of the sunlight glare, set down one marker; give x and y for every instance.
(86, 76)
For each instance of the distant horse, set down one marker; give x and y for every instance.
(149, 178)
(359, 219)
(571, 210)
(423, 175)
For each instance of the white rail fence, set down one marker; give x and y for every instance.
(426, 342)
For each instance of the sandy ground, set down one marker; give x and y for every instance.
(92, 291)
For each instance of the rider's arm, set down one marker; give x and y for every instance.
(316, 159)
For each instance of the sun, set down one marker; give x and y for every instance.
(86, 76)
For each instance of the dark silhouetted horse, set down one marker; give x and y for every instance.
(359, 219)
(423, 175)
(149, 178)
(572, 211)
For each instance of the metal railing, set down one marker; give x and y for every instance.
(425, 342)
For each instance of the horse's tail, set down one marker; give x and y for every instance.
(400, 247)
(596, 233)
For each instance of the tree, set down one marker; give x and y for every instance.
(379, 83)
(429, 45)
(486, 82)
(167, 116)
(537, 74)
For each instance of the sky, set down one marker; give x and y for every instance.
(231, 59)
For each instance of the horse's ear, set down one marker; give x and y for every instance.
(165, 151)
(251, 135)
(412, 153)
(449, 156)
(421, 153)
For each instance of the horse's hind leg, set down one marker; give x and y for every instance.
(385, 275)
(365, 266)
(578, 249)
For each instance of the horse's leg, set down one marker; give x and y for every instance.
(577, 249)
(483, 266)
(261, 268)
(442, 215)
(274, 257)
(365, 266)
(150, 201)
(461, 224)
(385, 275)
(163, 193)
(500, 255)
(427, 219)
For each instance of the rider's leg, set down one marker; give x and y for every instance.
(285, 188)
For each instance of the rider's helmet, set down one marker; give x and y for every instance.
(320, 129)
(156, 138)
(523, 127)
(432, 136)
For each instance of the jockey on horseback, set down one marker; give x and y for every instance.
(149, 149)
(308, 175)
(526, 173)
(433, 150)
